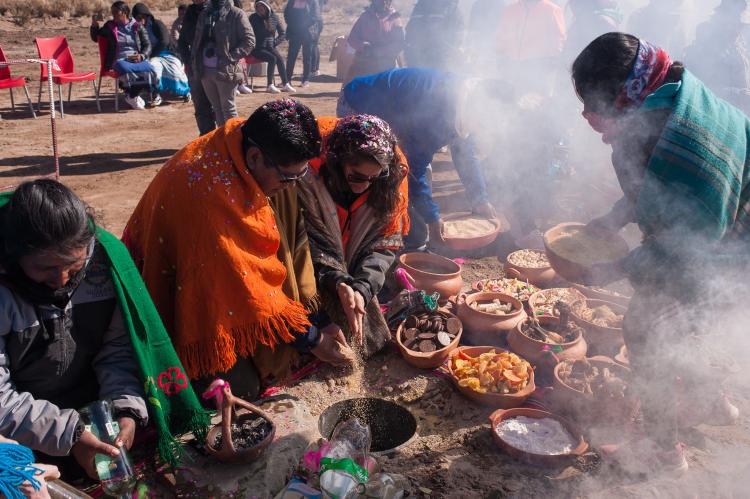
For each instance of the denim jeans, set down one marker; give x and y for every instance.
(221, 95)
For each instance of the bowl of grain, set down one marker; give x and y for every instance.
(573, 250)
(537, 437)
(533, 266)
(469, 231)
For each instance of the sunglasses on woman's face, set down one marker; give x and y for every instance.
(358, 178)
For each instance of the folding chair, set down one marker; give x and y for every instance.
(7, 81)
(57, 48)
(111, 73)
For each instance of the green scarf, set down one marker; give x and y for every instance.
(173, 406)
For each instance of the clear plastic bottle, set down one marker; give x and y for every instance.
(60, 490)
(115, 473)
(341, 468)
(382, 486)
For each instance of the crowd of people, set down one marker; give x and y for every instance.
(281, 228)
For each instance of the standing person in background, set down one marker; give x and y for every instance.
(170, 73)
(269, 34)
(303, 22)
(663, 23)
(591, 18)
(223, 36)
(378, 37)
(727, 70)
(530, 40)
(484, 19)
(128, 50)
(204, 113)
(174, 32)
(434, 34)
(315, 60)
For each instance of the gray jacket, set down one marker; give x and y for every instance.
(233, 37)
(45, 377)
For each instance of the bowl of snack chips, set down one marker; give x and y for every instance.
(426, 340)
(491, 376)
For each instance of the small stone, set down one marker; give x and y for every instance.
(331, 382)
(384, 367)
(427, 346)
(425, 490)
(388, 389)
(443, 339)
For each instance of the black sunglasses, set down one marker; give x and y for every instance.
(284, 178)
(356, 178)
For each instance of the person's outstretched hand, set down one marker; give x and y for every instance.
(353, 304)
(333, 347)
(87, 447)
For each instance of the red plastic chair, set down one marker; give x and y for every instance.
(7, 81)
(249, 61)
(57, 48)
(110, 73)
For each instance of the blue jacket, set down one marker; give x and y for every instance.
(420, 105)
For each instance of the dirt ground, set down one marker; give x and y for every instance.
(109, 159)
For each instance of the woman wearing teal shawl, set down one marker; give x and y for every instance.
(681, 157)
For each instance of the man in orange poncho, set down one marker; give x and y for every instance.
(230, 275)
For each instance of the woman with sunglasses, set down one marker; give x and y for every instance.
(681, 157)
(355, 203)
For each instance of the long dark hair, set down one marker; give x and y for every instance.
(43, 215)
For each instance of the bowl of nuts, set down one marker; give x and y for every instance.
(426, 340)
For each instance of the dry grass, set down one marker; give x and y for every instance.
(21, 11)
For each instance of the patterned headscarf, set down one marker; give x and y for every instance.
(649, 72)
(362, 135)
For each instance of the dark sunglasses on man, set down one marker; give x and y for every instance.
(284, 178)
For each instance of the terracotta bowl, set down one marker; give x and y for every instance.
(227, 453)
(541, 277)
(483, 328)
(534, 351)
(503, 401)
(602, 295)
(622, 357)
(586, 407)
(539, 295)
(602, 340)
(433, 273)
(509, 274)
(472, 243)
(501, 415)
(429, 360)
(568, 269)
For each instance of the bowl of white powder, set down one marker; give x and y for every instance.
(537, 437)
(469, 231)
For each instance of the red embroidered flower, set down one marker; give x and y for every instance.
(172, 381)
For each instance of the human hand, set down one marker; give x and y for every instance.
(135, 58)
(486, 210)
(49, 472)
(333, 347)
(436, 231)
(354, 308)
(87, 447)
(4, 440)
(127, 432)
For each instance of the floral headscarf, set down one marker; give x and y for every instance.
(362, 135)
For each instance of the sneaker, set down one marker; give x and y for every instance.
(135, 102)
(305, 84)
(187, 98)
(273, 89)
(288, 88)
(244, 89)
(316, 73)
(156, 101)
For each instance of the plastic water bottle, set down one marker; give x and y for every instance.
(115, 473)
(559, 164)
(341, 469)
(58, 489)
(382, 486)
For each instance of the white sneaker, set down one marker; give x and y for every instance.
(156, 102)
(316, 73)
(135, 102)
(244, 89)
(305, 84)
(289, 88)
(273, 89)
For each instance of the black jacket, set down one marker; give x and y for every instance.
(269, 32)
(306, 26)
(187, 32)
(161, 32)
(107, 31)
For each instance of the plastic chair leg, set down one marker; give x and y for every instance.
(12, 101)
(117, 96)
(62, 110)
(39, 101)
(96, 93)
(28, 98)
(70, 91)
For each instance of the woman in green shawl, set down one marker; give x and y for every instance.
(681, 157)
(76, 326)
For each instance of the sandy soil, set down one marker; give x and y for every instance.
(110, 158)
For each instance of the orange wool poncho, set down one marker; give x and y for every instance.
(205, 240)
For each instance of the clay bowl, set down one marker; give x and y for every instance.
(596, 294)
(535, 351)
(483, 328)
(499, 400)
(541, 277)
(497, 417)
(227, 453)
(433, 273)
(586, 407)
(622, 357)
(541, 296)
(509, 274)
(568, 269)
(476, 242)
(602, 340)
(429, 360)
